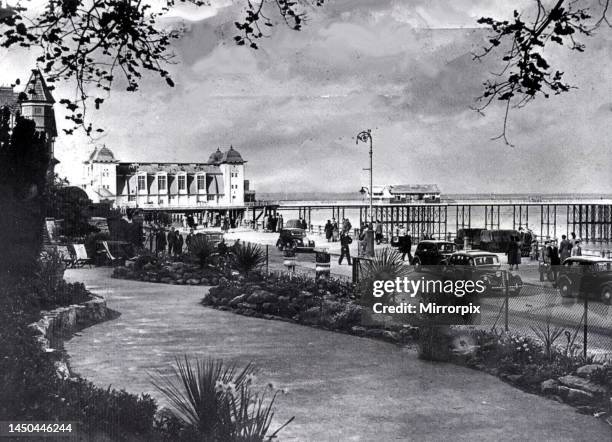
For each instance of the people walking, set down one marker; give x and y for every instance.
(346, 225)
(405, 245)
(160, 241)
(555, 260)
(345, 241)
(514, 252)
(171, 241)
(328, 230)
(565, 248)
(335, 230)
(577, 249)
(178, 244)
(378, 232)
(189, 239)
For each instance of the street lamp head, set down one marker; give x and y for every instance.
(363, 190)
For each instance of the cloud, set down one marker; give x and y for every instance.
(403, 69)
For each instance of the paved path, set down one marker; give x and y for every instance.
(340, 387)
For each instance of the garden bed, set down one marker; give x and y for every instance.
(178, 273)
(548, 370)
(326, 304)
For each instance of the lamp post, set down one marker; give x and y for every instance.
(365, 136)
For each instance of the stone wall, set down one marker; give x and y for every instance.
(62, 322)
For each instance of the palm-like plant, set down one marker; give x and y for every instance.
(387, 265)
(201, 248)
(247, 256)
(217, 401)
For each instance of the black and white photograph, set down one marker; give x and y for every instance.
(305, 220)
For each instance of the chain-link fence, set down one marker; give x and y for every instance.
(569, 305)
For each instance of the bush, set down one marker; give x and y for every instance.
(387, 265)
(201, 249)
(247, 257)
(217, 401)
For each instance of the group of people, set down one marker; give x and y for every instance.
(173, 241)
(334, 231)
(554, 254)
(273, 223)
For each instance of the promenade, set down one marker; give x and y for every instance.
(339, 387)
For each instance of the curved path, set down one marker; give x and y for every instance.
(339, 387)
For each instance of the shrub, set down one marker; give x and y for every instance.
(348, 317)
(247, 257)
(217, 401)
(201, 249)
(387, 265)
(50, 271)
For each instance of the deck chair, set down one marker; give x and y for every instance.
(81, 257)
(67, 257)
(109, 256)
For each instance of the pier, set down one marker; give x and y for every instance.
(591, 220)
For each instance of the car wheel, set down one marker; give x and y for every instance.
(565, 288)
(606, 294)
(416, 262)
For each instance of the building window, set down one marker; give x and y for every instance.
(38, 111)
(201, 182)
(181, 182)
(131, 197)
(161, 182)
(142, 182)
(210, 198)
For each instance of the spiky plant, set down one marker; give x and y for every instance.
(217, 401)
(202, 249)
(386, 265)
(547, 335)
(247, 257)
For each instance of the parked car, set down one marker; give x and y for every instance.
(431, 252)
(291, 237)
(589, 276)
(472, 235)
(496, 240)
(476, 265)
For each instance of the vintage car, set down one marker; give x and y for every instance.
(476, 265)
(431, 252)
(496, 240)
(589, 276)
(292, 237)
(472, 236)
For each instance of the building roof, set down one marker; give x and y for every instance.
(36, 89)
(413, 188)
(169, 168)
(232, 157)
(102, 155)
(215, 157)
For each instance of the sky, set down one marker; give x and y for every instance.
(401, 68)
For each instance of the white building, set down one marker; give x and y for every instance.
(406, 193)
(218, 183)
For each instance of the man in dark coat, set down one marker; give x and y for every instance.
(328, 230)
(555, 260)
(345, 241)
(189, 239)
(171, 240)
(405, 246)
(178, 245)
(160, 241)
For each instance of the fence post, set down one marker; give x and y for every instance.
(586, 327)
(267, 261)
(507, 296)
(356, 264)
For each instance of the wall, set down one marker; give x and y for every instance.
(56, 325)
